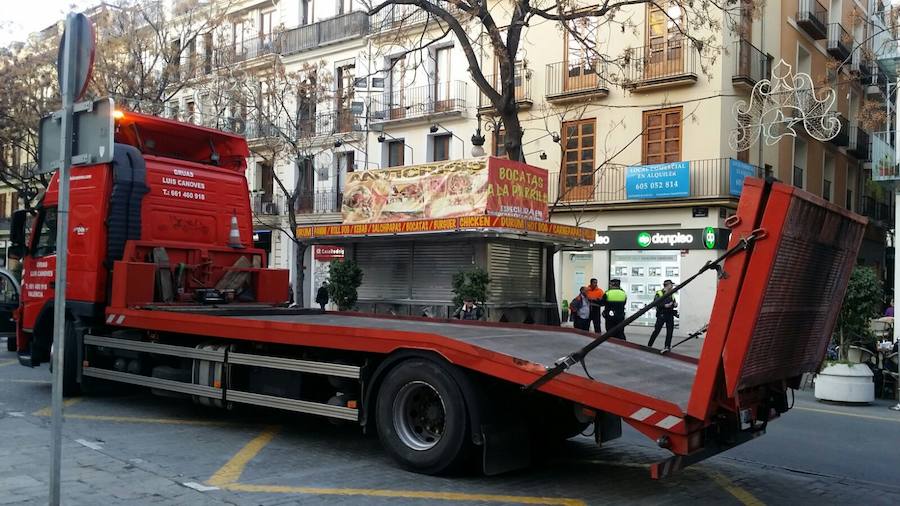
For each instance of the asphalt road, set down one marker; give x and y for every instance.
(136, 448)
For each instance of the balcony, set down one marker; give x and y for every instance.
(319, 202)
(264, 205)
(523, 90)
(840, 43)
(859, 144)
(751, 65)
(575, 81)
(399, 16)
(884, 157)
(875, 210)
(878, 85)
(862, 65)
(409, 104)
(670, 63)
(330, 31)
(708, 179)
(247, 50)
(812, 17)
(843, 136)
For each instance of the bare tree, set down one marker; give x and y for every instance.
(496, 29)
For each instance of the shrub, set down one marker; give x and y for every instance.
(471, 284)
(345, 277)
(862, 303)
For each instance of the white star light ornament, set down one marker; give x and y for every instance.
(778, 105)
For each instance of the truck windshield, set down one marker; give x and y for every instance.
(45, 242)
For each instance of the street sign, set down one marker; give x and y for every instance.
(83, 53)
(92, 141)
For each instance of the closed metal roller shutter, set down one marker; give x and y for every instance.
(434, 265)
(515, 271)
(386, 270)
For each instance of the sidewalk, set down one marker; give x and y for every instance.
(90, 476)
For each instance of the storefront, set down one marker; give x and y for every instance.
(642, 259)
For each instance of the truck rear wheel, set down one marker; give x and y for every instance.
(421, 417)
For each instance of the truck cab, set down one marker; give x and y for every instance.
(174, 194)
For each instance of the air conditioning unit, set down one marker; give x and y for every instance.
(269, 208)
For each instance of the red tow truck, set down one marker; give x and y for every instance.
(164, 293)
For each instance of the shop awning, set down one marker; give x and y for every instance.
(459, 227)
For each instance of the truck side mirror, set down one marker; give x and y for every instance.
(17, 234)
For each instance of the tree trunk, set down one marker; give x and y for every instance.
(300, 252)
(514, 133)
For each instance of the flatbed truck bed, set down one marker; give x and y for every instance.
(774, 311)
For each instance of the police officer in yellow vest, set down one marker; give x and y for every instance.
(613, 302)
(665, 313)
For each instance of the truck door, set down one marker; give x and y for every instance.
(39, 267)
(9, 301)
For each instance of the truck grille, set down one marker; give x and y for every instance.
(806, 284)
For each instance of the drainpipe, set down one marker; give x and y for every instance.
(762, 49)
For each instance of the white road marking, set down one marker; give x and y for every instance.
(89, 444)
(199, 486)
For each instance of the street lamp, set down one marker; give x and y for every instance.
(490, 125)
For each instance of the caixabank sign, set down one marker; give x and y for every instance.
(686, 238)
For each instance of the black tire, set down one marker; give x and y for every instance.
(412, 384)
(11, 343)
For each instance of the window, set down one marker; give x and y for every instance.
(440, 147)
(45, 243)
(397, 81)
(578, 155)
(265, 28)
(664, 51)
(442, 74)
(395, 153)
(344, 96)
(208, 52)
(265, 178)
(499, 138)
(3, 212)
(799, 176)
(175, 59)
(828, 178)
(662, 136)
(192, 57)
(190, 109)
(581, 70)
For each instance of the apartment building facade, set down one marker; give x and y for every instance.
(657, 126)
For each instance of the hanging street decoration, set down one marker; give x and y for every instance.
(777, 106)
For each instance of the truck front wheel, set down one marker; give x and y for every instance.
(421, 417)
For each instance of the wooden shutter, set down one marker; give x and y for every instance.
(578, 158)
(662, 136)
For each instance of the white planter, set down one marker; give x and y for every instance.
(845, 383)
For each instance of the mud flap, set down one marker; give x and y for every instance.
(505, 448)
(607, 427)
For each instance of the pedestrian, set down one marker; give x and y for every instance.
(322, 295)
(580, 308)
(665, 313)
(469, 310)
(595, 295)
(613, 302)
(890, 310)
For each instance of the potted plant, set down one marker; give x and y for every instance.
(344, 278)
(841, 380)
(471, 284)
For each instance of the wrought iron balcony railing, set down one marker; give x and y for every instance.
(710, 178)
(576, 79)
(522, 78)
(840, 42)
(751, 65)
(420, 101)
(812, 17)
(671, 62)
(328, 31)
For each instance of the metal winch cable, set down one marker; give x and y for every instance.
(569, 360)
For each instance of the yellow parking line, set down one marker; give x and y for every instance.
(139, 419)
(8, 362)
(739, 493)
(228, 475)
(405, 494)
(66, 403)
(231, 471)
(854, 415)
